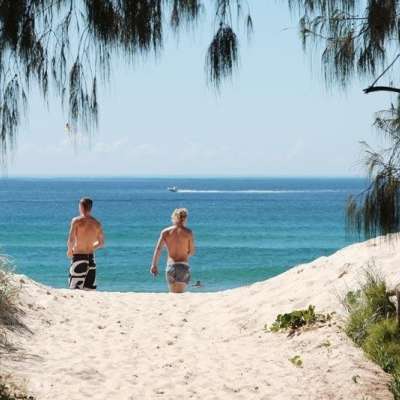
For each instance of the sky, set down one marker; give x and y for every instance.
(160, 118)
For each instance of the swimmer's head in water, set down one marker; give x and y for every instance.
(179, 216)
(85, 205)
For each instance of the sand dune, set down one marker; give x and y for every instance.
(200, 346)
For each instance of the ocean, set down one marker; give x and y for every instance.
(246, 229)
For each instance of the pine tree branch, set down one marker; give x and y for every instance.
(372, 89)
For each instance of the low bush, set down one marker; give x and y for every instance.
(367, 306)
(10, 392)
(395, 386)
(382, 344)
(296, 361)
(297, 319)
(8, 297)
(9, 319)
(372, 325)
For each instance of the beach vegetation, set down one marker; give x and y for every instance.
(326, 344)
(367, 305)
(376, 211)
(296, 361)
(297, 319)
(9, 319)
(382, 344)
(395, 385)
(9, 311)
(9, 391)
(371, 323)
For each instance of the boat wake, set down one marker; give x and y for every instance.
(262, 191)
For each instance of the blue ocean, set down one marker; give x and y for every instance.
(246, 229)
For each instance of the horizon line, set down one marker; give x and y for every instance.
(179, 176)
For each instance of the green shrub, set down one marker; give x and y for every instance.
(298, 318)
(371, 323)
(366, 306)
(395, 385)
(296, 361)
(382, 344)
(9, 314)
(8, 296)
(10, 392)
(294, 319)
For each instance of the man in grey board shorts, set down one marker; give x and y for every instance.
(179, 241)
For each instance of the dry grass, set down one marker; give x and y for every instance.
(10, 391)
(10, 315)
(372, 325)
(9, 310)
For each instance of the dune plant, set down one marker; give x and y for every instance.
(8, 300)
(296, 361)
(367, 306)
(11, 392)
(297, 319)
(372, 325)
(382, 344)
(395, 385)
(9, 314)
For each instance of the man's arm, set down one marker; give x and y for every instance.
(192, 246)
(100, 238)
(157, 254)
(71, 238)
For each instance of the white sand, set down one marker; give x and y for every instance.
(200, 346)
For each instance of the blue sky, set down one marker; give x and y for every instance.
(159, 117)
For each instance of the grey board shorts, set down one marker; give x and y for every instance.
(178, 273)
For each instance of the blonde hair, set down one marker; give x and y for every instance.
(179, 215)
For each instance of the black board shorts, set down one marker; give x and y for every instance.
(82, 272)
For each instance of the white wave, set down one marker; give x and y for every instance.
(262, 191)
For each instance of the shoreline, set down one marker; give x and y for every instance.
(211, 345)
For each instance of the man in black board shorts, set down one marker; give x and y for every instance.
(85, 237)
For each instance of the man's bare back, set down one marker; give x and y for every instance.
(86, 235)
(179, 243)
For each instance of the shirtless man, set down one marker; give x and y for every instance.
(180, 245)
(85, 237)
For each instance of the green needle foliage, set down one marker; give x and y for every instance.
(361, 39)
(376, 210)
(69, 45)
(357, 37)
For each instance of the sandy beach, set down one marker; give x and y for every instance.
(198, 345)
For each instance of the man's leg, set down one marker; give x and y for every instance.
(177, 287)
(90, 281)
(77, 272)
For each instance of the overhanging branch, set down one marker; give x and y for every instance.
(372, 89)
